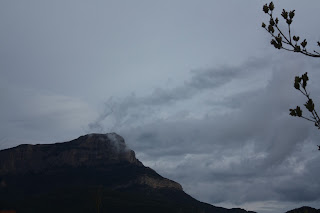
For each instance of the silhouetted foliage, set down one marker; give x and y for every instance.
(282, 41)
(291, 43)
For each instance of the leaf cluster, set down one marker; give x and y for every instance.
(300, 83)
(279, 39)
(291, 43)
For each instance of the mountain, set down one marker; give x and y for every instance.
(304, 209)
(93, 173)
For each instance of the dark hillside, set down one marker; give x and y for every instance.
(91, 173)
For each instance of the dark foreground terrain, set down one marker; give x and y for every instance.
(304, 209)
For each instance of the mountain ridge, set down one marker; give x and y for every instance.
(86, 149)
(71, 176)
(93, 150)
(304, 209)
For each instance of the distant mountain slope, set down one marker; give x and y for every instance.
(304, 209)
(93, 173)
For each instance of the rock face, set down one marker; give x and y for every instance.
(88, 150)
(85, 173)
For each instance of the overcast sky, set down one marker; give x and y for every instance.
(194, 87)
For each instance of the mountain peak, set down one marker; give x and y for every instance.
(111, 140)
(74, 175)
(304, 209)
(87, 150)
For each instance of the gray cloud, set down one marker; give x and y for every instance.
(249, 151)
(123, 111)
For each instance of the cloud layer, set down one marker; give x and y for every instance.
(226, 134)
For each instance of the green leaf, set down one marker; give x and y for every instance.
(276, 44)
(263, 25)
(265, 8)
(297, 81)
(304, 78)
(296, 38)
(284, 14)
(297, 48)
(298, 111)
(289, 21)
(270, 29)
(272, 23)
(310, 105)
(291, 14)
(279, 38)
(292, 112)
(271, 6)
(304, 43)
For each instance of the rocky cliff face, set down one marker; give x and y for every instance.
(91, 151)
(87, 150)
(158, 183)
(72, 176)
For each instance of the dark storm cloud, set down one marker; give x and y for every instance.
(253, 152)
